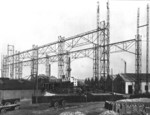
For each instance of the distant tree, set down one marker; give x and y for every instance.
(92, 82)
(86, 81)
(96, 83)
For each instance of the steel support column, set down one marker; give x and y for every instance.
(60, 57)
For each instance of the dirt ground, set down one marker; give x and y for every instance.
(90, 108)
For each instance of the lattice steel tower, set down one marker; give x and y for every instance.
(4, 67)
(18, 66)
(68, 65)
(105, 50)
(61, 46)
(34, 63)
(147, 51)
(138, 54)
(96, 50)
(10, 51)
(48, 67)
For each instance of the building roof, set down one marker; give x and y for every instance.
(131, 77)
(112, 77)
(15, 84)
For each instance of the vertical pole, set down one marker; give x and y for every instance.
(32, 63)
(20, 66)
(69, 67)
(138, 79)
(2, 66)
(49, 70)
(37, 79)
(34, 70)
(125, 68)
(147, 50)
(96, 50)
(47, 66)
(108, 38)
(7, 61)
(104, 59)
(61, 46)
(13, 48)
(10, 52)
(16, 65)
(138, 58)
(112, 80)
(97, 55)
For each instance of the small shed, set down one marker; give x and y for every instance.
(109, 83)
(125, 83)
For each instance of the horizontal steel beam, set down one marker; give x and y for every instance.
(67, 39)
(87, 50)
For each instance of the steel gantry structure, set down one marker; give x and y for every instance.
(138, 56)
(79, 46)
(94, 44)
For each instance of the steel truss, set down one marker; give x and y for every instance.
(72, 44)
(79, 46)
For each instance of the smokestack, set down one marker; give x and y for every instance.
(125, 65)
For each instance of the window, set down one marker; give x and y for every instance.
(146, 87)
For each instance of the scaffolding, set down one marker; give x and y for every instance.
(20, 70)
(147, 51)
(34, 62)
(105, 48)
(94, 44)
(68, 66)
(17, 66)
(96, 50)
(48, 67)
(10, 51)
(3, 66)
(108, 41)
(138, 63)
(61, 57)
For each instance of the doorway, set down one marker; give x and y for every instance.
(130, 89)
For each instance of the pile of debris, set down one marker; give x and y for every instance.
(109, 113)
(72, 113)
(135, 100)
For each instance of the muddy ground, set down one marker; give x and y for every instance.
(89, 108)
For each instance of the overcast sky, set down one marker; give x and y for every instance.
(27, 22)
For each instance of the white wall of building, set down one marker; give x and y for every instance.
(72, 80)
(127, 87)
(143, 84)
